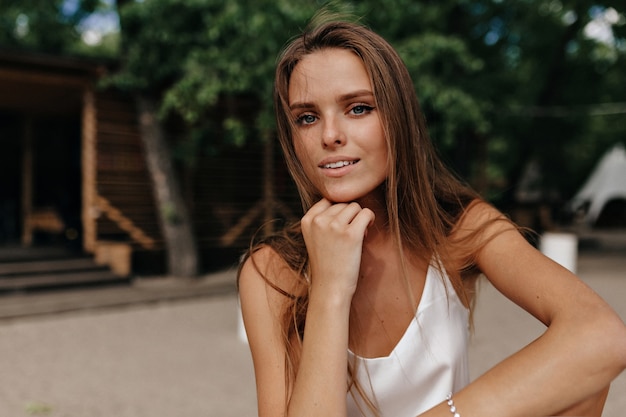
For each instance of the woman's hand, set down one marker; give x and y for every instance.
(334, 235)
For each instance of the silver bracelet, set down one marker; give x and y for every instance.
(452, 406)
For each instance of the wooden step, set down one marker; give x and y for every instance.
(48, 266)
(21, 254)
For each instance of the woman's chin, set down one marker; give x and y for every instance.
(368, 196)
(376, 196)
(342, 198)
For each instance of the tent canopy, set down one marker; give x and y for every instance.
(607, 182)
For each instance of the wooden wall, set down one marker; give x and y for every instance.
(119, 215)
(224, 190)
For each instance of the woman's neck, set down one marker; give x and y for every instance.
(376, 201)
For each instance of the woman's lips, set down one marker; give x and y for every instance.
(337, 167)
(338, 164)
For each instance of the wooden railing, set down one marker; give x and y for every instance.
(126, 224)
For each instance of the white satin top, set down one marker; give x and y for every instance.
(429, 361)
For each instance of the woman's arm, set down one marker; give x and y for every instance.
(321, 382)
(581, 352)
(591, 407)
(334, 238)
(261, 307)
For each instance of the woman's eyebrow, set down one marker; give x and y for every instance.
(355, 94)
(301, 105)
(344, 97)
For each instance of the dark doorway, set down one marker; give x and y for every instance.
(55, 178)
(10, 176)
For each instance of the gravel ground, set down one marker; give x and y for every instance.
(174, 359)
(186, 359)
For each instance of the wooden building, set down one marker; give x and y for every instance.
(72, 171)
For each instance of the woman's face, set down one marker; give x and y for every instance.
(339, 137)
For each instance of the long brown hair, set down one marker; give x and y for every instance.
(424, 200)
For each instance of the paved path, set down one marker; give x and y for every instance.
(173, 359)
(183, 357)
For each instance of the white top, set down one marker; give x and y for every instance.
(429, 361)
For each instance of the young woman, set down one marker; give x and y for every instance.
(363, 307)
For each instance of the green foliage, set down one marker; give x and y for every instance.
(441, 67)
(203, 57)
(50, 26)
(501, 83)
(107, 47)
(482, 69)
(236, 56)
(235, 130)
(38, 409)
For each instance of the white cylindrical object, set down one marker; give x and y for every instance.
(561, 248)
(241, 329)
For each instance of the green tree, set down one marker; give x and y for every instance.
(502, 84)
(52, 26)
(183, 59)
(545, 76)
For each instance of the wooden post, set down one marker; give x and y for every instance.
(88, 167)
(27, 180)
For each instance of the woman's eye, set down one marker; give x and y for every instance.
(361, 109)
(306, 119)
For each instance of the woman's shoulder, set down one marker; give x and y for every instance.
(482, 220)
(477, 226)
(265, 269)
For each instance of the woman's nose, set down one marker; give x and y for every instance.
(332, 135)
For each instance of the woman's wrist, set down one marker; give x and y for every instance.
(335, 301)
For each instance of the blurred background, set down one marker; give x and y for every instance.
(141, 132)
(137, 136)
